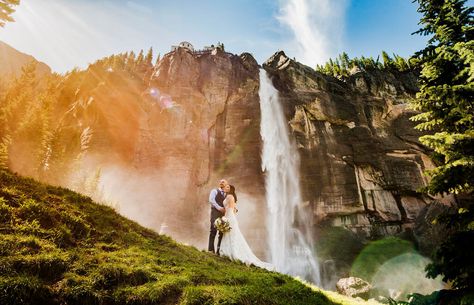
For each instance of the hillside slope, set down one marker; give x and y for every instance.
(59, 247)
(12, 60)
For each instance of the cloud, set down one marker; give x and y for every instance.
(317, 27)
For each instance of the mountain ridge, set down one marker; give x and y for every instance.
(12, 61)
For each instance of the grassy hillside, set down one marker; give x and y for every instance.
(59, 247)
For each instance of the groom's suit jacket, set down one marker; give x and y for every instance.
(220, 201)
(220, 198)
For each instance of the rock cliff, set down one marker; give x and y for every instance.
(201, 122)
(361, 162)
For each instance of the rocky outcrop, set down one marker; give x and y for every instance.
(354, 287)
(361, 162)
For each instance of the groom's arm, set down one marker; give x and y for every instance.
(212, 200)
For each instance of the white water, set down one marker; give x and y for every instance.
(288, 223)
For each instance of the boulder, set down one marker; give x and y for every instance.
(354, 287)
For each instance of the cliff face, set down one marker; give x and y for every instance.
(204, 106)
(361, 163)
(201, 124)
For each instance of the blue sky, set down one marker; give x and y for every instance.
(69, 33)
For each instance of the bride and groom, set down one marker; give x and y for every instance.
(223, 201)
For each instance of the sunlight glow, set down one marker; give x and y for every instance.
(58, 33)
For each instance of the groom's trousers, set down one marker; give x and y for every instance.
(213, 232)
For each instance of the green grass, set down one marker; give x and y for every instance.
(59, 247)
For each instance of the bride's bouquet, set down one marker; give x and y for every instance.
(222, 224)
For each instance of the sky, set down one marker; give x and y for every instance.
(73, 33)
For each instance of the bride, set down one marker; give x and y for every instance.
(233, 243)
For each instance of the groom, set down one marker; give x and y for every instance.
(216, 200)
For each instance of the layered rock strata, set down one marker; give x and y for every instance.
(361, 162)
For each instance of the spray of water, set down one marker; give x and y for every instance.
(289, 224)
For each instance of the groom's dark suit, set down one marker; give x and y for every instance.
(220, 196)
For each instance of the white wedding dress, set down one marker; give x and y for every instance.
(234, 245)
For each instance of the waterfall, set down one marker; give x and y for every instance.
(288, 222)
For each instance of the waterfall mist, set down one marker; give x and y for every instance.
(317, 27)
(291, 244)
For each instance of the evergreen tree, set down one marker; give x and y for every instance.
(140, 58)
(5, 142)
(17, 99)
(387, 60)
(446, 93)
(445, 103)
(158, 58)
(342, 65)
(400, 63)
(345, 61)
(6, 9)
(149, 57)
(131, 60)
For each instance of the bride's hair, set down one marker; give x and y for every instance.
(232, 191)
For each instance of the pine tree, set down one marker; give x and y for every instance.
(446, 93)
(378, 64)
(400, 63)
(48, 105)
(342, 65)
(387, 60)
(140, 58)
(149, 57)
(345, 61)
(5, 142)
(445, 103)
(131, 60)
(6, 9)
(158, 58)
(17, 99)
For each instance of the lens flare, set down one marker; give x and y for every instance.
(166, 102)
(155, 93)
(404, 275)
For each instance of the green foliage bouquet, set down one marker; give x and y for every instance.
(222, 224)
